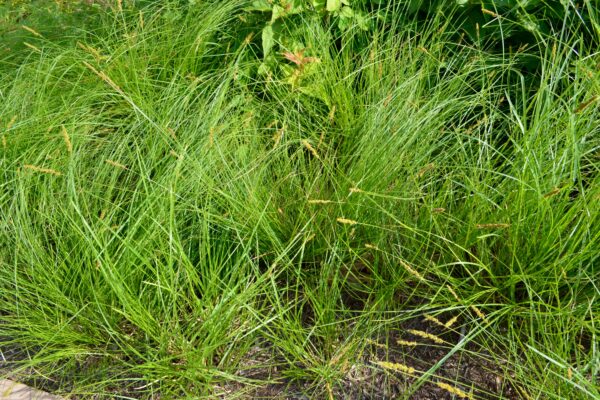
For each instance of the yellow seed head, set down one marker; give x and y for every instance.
(454, 390)
(116, 164)
(346, 221)
(408, 343)
(425, 169)
(355, 190)
(32, 31)
(67, 139)
(32, 47)
(553, 192)
(451, 322)
(42, 170)
(11, 123)
(89, 66)
(479, 313)
(426, 335)
(248, 38)
(453, 292)
(211, 136)
(376, 344)
(492, 226)
(372, 247)
(95, 53)
(489, 12)
(104, 77)
(433, 319)
(524, 393)
(310, 148)
(317, 201)
(277, 137)
(396, 367)
(412, 271)
(332, 114)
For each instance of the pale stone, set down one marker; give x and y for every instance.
(10, 390)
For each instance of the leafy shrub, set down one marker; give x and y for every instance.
(491, 24)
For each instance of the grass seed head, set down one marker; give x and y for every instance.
(453, 293)
(492, 226)
(331, 115)
(95, 53)
(433, 319)
(32, 31)
(396, 367)
(11, 123)
(32, 47)
(277, 137)
(425, 169)
(318, 201)
(552, 193)
(248, 38)
(479, 313)
(42, 170)
(346, 221)
(451, 322)
(586, 104)
(489, 12)
(376, 344)
(172, 133)
(310, 148)
(116, 164)
(454, 390)
(408, 343)
(426, 335)
(412, 271)
(66, 138)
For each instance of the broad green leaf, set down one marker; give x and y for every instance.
(260, 5)
(334, 5)
(278, 12)
(347, 12)
(267, 39)
(294, 6)
(362, 20)
(319, 5)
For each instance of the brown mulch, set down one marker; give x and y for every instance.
(470, 371)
